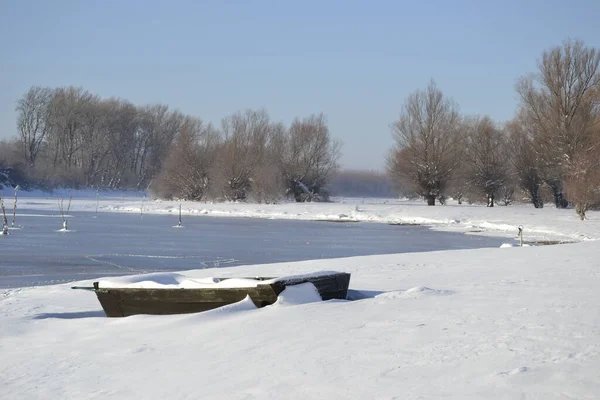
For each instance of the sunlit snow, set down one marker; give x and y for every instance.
(496, 323)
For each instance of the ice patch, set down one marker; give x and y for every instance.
(298, 294)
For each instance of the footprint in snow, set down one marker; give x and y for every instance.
(515, 371)
(414, 293)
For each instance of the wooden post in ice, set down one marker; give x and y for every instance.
(15, 207)
(521, 235)
(4, 220)
(179, 223)
(62, 212)
(97, 201)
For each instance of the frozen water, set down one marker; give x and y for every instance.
(114, 244)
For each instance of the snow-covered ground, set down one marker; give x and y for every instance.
(505, 323)
(491, 323)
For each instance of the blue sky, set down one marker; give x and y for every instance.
(355, 61)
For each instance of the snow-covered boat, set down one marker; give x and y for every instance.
(217, 292)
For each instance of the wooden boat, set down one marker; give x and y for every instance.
(123, 302)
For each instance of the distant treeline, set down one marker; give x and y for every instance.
(71, 137)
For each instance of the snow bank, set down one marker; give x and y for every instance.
(244, 305)
(487, 323)
(413, 293)
(302, 293)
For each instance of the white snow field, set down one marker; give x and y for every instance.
(505, 323)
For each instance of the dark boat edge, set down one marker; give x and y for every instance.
(122, 302)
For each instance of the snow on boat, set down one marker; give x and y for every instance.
(207, 294)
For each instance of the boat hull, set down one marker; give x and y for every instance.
(123, 302)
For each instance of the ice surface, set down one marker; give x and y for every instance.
(547, 223)
(122, 244)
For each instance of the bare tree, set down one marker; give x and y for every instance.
(268, 183)
(156, 131)
(242, 152)
(66, 118)
(32, 121)
(583, 183)
(428, 145)
(121, 127)
(525, 160)
(459, 187)
(561, 102)
(96, 116)
(185, 173)
(309, 157)
(486, 156)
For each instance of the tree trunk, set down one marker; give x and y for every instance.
(430, 200)
(534, 195)
(559, 198)
(580, 209)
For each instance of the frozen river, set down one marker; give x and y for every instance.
(122, 244)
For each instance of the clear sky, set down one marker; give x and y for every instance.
(355, 61)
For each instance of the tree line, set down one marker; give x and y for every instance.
(69, 136)
(553, 142)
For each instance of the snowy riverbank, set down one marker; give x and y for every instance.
(489, 323)
(467, 324)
